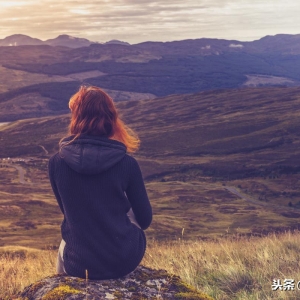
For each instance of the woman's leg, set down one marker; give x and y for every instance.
(60, 260)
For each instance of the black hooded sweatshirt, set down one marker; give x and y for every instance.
(96, 183)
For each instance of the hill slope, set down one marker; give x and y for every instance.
(158, 68)
(214, 162)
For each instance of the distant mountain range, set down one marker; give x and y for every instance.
(62, 40)
(156, 68)
(280, 43)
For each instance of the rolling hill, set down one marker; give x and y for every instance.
(156, 68)
(214, 162)
(168, 75)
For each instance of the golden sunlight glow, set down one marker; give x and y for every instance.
(80, 11)
(8, 4)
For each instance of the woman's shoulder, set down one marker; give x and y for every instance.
(131, 164)
(54, 157)
(54, 160)
(130, 159)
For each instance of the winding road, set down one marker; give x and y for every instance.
(247, 198)
(257, 202)
(21, 172)
(44, 149)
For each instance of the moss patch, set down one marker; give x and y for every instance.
(118, 294)
(33, 288)
(61, 292)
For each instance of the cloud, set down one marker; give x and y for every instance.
(140, 20)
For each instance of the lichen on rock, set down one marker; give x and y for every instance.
(142, 283)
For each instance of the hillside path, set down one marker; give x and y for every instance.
(257, 202)
(21, 172)
(247, 198)
(44, 149)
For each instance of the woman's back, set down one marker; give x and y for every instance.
(96, 183)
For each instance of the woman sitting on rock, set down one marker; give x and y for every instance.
(100, 191)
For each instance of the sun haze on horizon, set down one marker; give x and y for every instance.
(136, 21)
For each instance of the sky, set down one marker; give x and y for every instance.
(137, 21)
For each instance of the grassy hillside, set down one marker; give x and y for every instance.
(48, 98)
(226, 269)
(214, 163)
(14, 79)
(156, 68)
(175, 74)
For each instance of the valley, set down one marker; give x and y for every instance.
(215, 163)
(219, 129)
(35, 70)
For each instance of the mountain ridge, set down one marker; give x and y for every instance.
(63, 40)
(283, 43)
(156, 68)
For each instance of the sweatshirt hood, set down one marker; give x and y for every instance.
(91, 154)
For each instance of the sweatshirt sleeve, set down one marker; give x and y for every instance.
(51, 171)
(137, 196)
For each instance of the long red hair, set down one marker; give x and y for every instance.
(94, 113)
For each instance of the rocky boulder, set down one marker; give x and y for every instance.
(143, 283)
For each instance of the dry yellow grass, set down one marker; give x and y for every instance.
(21, 266)
(233, 268)
(228, 268)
